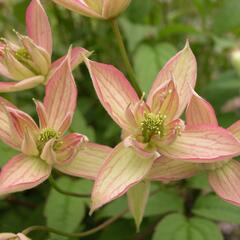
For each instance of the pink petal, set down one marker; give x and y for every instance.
(77, 57)
(202, 144)
(29, 146)
(88, 161)
(137, 201)
(22, 237)
(61, 96)
(122, 169)
(235, 129)
(78, 6)
(4, 72)
(38, 26)
(199, 112)
(113, 90)
(166, 169)
(22, 173)
(183, 68)
(48, 153)
(225, 182)
(42, 115)
(6, 133)
(7, 236)
(112, 9)
(21, 85)
(165, 101)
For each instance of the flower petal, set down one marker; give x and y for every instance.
(183, 68)
(48, 154)
(77, 57)
(22, 173)
(235, 129)
(22, 237)
(225, 182)
(199, 112)
(4, 72)
(122, 169)
(61, 95)
(88, 161)
(79, 7)
(21, 85)
(112, 9)
(165, 101)
(202, 144)
(137, 201)
(113, 90)
(38, 26)
(29, 146)
(42, 115)
(166, 169)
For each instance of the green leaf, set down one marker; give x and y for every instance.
(80, 125)
(65, 212)
(148, 61)
(214, 208)
(6, 153)
(199, 181)
(178, 227)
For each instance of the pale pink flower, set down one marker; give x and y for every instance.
(12, 236)
(103, 9)
(152, 128)
(223, 176)
(28, 62)
(45, 147)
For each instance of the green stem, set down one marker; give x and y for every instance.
(81, 234)
(124, 56)
(58, 189)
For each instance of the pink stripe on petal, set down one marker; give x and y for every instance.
(42, 115)
(202, 144)
(122, 169)
(38, 26)
(199, 112)
(87, 162)
(225, 182)
(183, 68)
(166, 169)
(113, 90)
(22, 173)
(61, 95)
(21, 85)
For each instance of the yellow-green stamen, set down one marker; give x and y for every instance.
(153, 124)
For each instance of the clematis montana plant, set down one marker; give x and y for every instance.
(45, 147)
(12, 236)
(103, 9)
(152, 128)
(28, 62)
(223, 176)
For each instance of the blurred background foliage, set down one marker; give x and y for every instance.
(154, 30)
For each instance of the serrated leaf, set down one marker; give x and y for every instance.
(178, 227)
(214, 208)
(65, 212)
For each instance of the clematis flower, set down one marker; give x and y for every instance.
(12, 236)
(103, 9)
(46, 146)
(28, 62)
(151, 128)
(223, 176)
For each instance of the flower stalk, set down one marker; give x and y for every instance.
(124, 55)
(58, 189)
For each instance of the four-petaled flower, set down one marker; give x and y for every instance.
(28, 62)
(45, 146)
(223, 176)
(103, 9)
(152, 128)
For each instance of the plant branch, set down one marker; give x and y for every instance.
(124, 55)
(81, 234)
(58, 189)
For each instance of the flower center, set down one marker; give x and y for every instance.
(152, 125)
(46, 135)
(22, 54)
